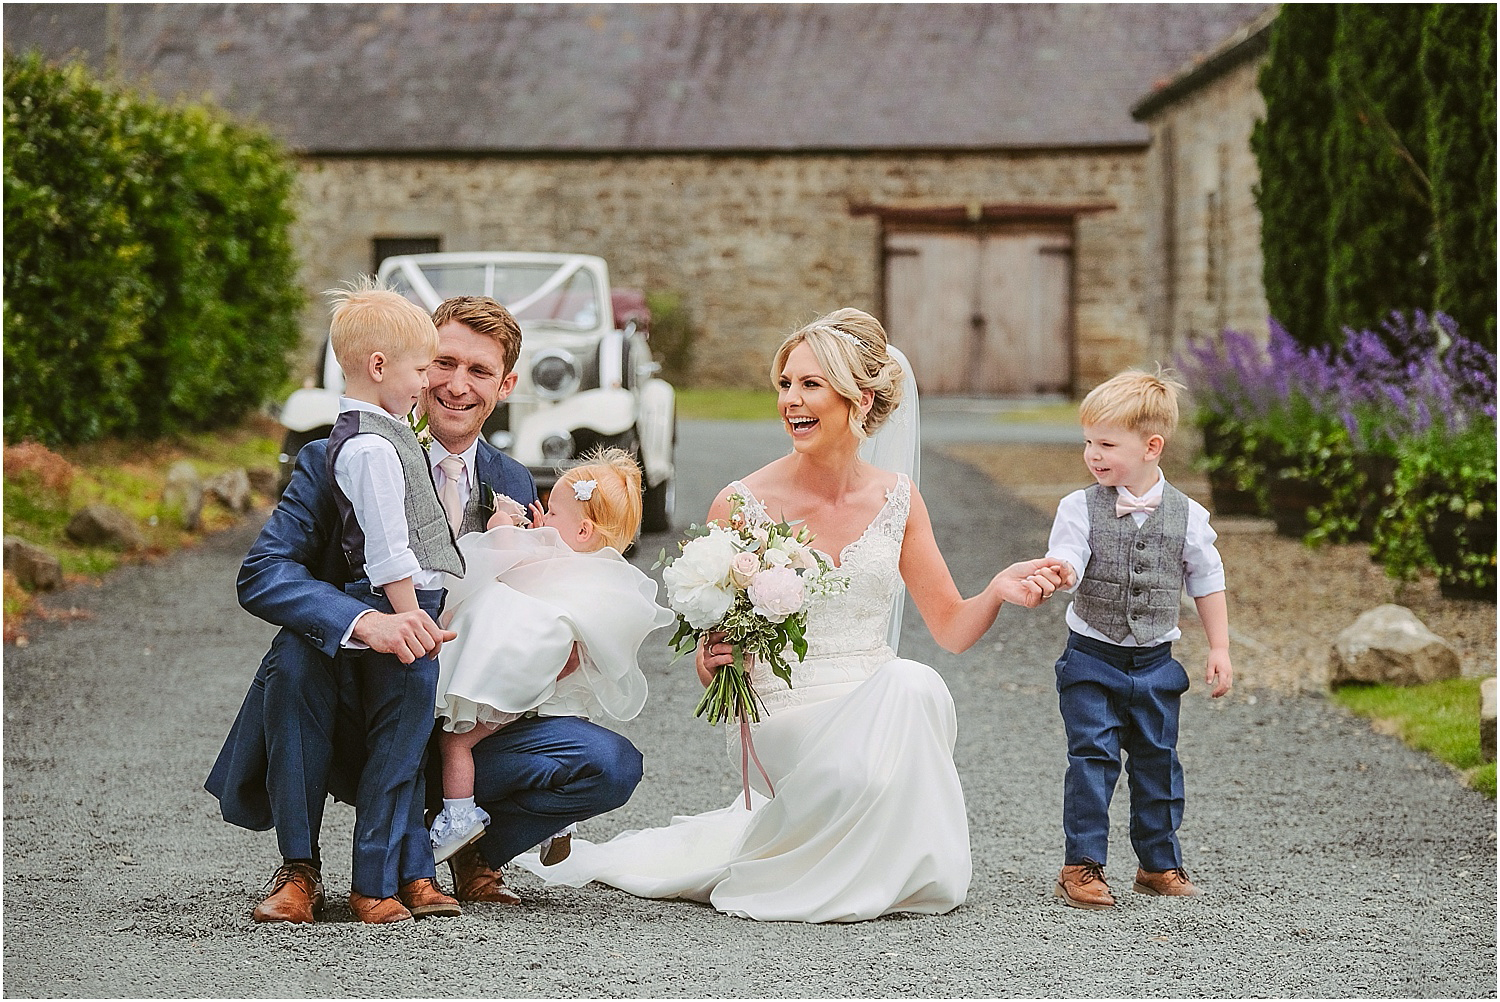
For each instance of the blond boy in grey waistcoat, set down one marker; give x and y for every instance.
(1135, 542)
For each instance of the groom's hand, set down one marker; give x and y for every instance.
(408, 635)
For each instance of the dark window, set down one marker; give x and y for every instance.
(391, 246)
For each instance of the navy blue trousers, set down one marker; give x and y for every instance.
(394, 705)
(1116, 699)
(538, 775)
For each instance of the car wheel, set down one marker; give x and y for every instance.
(658, 506)
(290, 446)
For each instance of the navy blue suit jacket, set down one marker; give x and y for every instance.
(293, 577)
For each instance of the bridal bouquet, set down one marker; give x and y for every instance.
(753, 582)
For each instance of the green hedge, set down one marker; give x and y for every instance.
(1377, 166)
(1458, 70)
(150, 282)
(1290, 146)
(1380, 213)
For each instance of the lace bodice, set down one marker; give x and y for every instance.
(846, 633)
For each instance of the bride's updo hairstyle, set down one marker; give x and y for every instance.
(849, 345)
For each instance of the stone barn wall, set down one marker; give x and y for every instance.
(1202, 251)
(756, 244)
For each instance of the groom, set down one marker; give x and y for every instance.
(291, 745)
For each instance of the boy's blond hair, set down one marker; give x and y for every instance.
(1143, 402)
(615, 507)
(367, 317)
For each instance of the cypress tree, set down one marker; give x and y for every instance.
(1380, 220)
(1458, 73)
(1289, 145)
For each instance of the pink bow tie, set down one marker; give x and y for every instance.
(1123, 507)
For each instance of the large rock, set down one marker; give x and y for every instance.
(232, 488)
(184, 491)
(104, 525)
(1487, 719)
(1390, 644)
(33, 566)
(263, 480)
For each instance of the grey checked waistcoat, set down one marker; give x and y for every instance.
(428, 533)
(1133, 583)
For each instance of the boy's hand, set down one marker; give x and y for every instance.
(1220, 673)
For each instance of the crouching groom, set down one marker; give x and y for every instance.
(285, 754)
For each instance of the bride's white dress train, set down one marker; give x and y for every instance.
(868, 816)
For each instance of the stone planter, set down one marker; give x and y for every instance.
(1453, 534)
(1379, 474)
(1289, 498)
(1224, 493)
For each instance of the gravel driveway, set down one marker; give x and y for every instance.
(1335, 861)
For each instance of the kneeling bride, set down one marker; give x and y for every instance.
(868, 815)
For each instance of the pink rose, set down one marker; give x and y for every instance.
(777, 593)
(742, 568)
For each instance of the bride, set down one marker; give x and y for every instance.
(867, 816)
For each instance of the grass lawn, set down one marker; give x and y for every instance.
(1441, 718)
(44, 487)
(726, 404)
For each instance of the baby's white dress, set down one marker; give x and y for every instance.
(868, 816)
(524, 599)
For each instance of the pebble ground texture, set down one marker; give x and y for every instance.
(1335, 861)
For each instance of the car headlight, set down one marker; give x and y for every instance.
(555, 374)
(557, 447)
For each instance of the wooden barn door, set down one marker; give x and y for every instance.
(982, 314)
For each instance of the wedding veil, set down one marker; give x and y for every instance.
(897, 447)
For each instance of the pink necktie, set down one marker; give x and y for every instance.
(453, 503)
(1123, 507)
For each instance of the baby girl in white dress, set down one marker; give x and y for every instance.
(541, 630)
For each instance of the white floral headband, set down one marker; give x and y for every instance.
(839, 332)
(583, 490)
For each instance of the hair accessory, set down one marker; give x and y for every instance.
(839, 332)
(584, 489)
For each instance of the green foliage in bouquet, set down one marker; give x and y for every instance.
(754, 582)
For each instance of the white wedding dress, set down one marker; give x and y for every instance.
(868, 816)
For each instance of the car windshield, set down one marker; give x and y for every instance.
(536, 293)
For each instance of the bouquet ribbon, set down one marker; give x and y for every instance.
(747, 753)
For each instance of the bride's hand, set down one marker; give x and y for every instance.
(714, 652)
(1029, 583)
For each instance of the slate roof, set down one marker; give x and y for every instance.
(483, 78)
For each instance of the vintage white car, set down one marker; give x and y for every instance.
(587, 377)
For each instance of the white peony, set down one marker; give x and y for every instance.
(698, 583)
(777, 593)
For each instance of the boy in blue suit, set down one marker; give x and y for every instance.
(283, 755)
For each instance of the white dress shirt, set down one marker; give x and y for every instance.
(1202, 567)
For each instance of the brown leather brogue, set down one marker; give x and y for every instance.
(473, 880)
(377, 911)
(422, 898)
(296, 895)
(1082, 885)
(1172, 883)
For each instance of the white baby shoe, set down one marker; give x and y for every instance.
(453, 830)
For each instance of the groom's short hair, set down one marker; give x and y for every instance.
(484, 317)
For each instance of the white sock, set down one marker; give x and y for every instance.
(459, 806)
